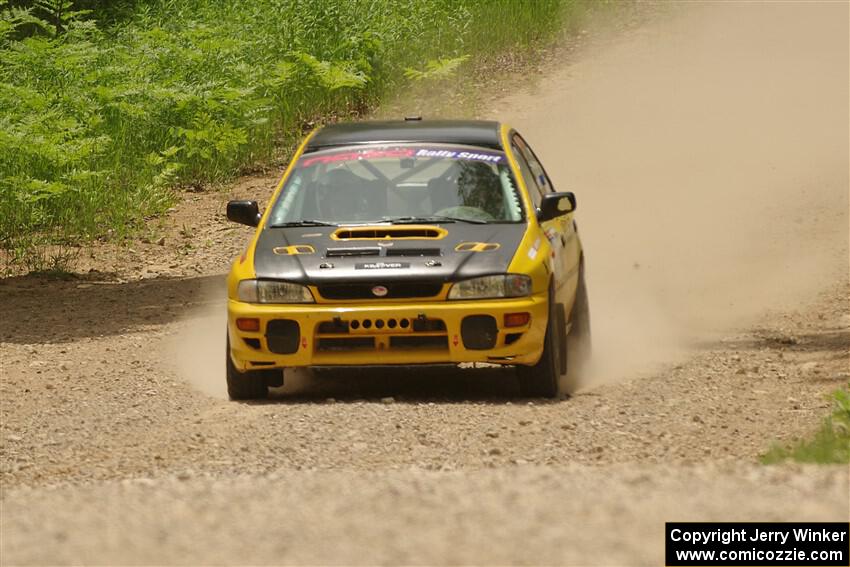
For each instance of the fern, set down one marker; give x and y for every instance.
(102, 113)
(13, 18)
(331, 76)
(436, 69)
(60, 12)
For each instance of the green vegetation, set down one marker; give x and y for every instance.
(830, 444)
(107, 105)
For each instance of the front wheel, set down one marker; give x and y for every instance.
(578, 341)
(542, 379)
(249, 385)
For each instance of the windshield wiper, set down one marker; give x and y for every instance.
(431, 218)
(304, 222)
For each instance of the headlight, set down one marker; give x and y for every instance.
(262, 291)
(510, 285)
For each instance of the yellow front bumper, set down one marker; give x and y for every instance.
(319, 346)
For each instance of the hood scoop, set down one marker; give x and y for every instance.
(381, 232)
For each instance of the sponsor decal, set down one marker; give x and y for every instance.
(381, 265)
(379, 291)
(354, 156)
(464, 155)
(532, 252)
(400, 153)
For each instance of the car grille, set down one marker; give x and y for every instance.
(401, 290)
(414, 342)
(345, 343)
(395, 333)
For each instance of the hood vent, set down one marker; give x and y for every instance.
(413, 252)
(378, 232)
(351, 252)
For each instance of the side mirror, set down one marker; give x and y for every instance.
(556, 205)
(244, 212)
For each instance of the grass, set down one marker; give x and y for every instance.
(106, 107)
(830, 443)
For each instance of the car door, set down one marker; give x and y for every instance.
(560, 231)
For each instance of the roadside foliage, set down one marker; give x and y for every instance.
(829, 444)
(106, 106)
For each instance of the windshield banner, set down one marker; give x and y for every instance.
(405, 152)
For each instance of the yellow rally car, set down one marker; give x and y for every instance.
(409, 242)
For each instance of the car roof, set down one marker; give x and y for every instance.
(485, 133)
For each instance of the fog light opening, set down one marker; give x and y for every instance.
(517, 319)
(248, 324)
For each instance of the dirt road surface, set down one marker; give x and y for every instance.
(709, 152)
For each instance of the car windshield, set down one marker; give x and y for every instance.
(399, 183)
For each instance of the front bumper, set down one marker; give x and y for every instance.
(387, 333)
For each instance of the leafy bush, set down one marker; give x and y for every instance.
(830, 444)
(105, 106)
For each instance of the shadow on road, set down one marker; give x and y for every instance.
(438, 384)
(442, 385)
(836, 340)
(35, 309)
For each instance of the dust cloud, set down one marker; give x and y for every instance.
(709, 155)
(197, 348)
(199, 353)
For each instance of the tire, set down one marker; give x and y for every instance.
(579, 344)
(250, 385)
(542, 379)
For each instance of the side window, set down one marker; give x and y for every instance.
(527, 175)
(536, 168)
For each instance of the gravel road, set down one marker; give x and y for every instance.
(710, 158)
(572, 515)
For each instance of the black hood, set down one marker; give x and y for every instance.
(385, 260)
